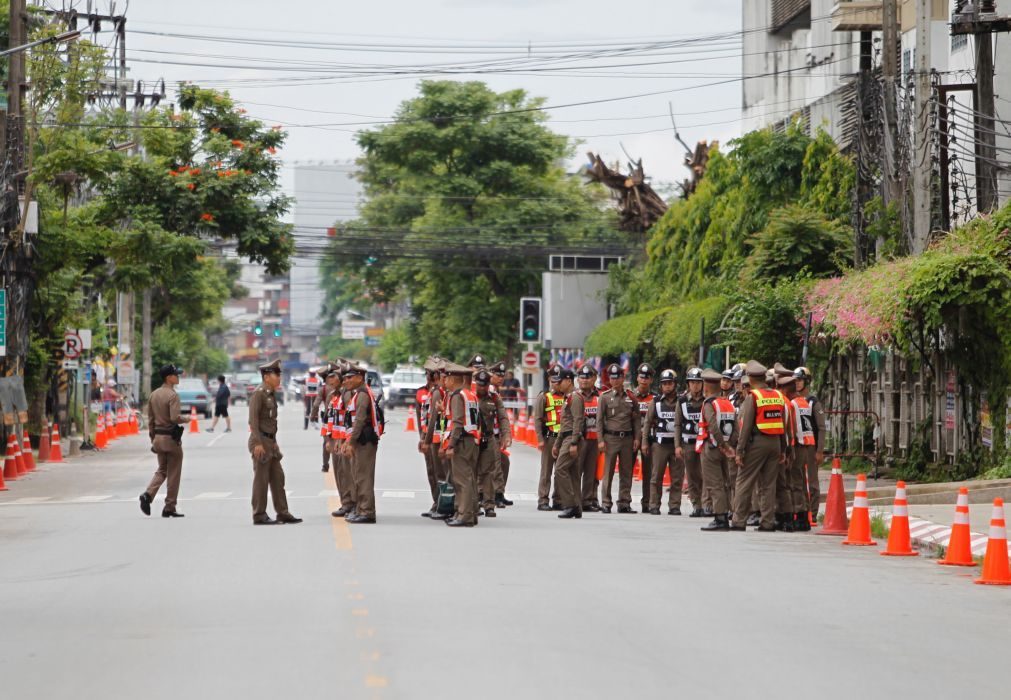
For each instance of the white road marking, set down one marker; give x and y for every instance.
(89, 499)
(398, 494)
(328, 493)
(216, 438)
(213, 494)
(29, 500)
(526, 496)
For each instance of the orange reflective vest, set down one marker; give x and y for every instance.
(352, 410)
(803, 421)
(590, 411)
(471, 417)
(770, 411)
(726, 414)
(311, 386)
(338, 430)
(424, 398)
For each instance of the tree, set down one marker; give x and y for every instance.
(798, 240)
(465, 197)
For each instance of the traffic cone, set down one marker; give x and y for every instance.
(512, 422)
(521, 429)
(410, 427)
(26, 449)
(666, 477)
(995, 564)
(531, 432)
(131, 423)
(3, 486)
(110, 427)
(637, 471)
(859, 534)
(10, 463)
(194, 424)
(100, 439)
(836, 522)
(898, 533)
(55, 450)
(601, 463)
(19, 459)
(44, 443)
(959, 552)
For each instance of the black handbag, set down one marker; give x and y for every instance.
(446, 505)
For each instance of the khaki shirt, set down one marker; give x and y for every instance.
(618, 412)
(322, 400)
(574, 417)
(163, 409)
(262, 415)
(492, 411)
(435, 413)
(363, 412)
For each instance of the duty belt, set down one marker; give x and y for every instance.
(664, 440)
(620, 433)
(269, 436)
(163, 431)
(564, 434)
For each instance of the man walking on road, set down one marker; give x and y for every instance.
(166, 433)
(221, 400)
(267, 470)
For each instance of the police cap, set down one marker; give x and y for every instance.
(785, 379)
(477, 361)
(555, 373)
(482, 377)
(564, 374)
(353, 369)
(645, 371)
(498, 368)
(615, 370)
(755, 368)
(587, 372)
(694, 374)
(271, 367)
(169, 369)
(710, 375)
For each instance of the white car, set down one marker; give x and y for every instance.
(404, 385)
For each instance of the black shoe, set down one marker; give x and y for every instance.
(753, 520)
(569, 513)
(459, 523)
(557, 506)
(594, 508)
(340, 512)
(738, 528)
(762, 528)
(719, 524)
(489, 513)
(172, 514)
(439, 516)
(544, 506)
(801, 523)
(288, 519)
(359, 519)
(654, 511)
(626, 509)
(501, 501)
(326, 468)
(427, 514)
(674, 511)
(350, 514)
(697, 513)
(603, 509)
(145, 503)
(266, 521)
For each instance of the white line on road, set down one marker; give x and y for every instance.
(213, 494)
(398, 494)
(28, 500)
(90, 499)
(328, 493)
(215, 439)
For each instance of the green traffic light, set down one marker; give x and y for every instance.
(530, 333)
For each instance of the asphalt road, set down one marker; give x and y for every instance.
(97, 601)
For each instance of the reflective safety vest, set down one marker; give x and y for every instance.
(338, 429)
(591, 411)
(440, 426)
(770, 411)
(311, 386)
(471, 417)
(352, 411)
(690, 422)
(725, 417)
(665, 421)
(803, 413)
(552, 412)
(424, 398)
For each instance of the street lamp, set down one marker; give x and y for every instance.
(61, 38)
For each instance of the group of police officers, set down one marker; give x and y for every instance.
(749, 440)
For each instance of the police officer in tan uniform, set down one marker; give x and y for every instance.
(502, 463)
(343, 472)
(493, 415)
(164, 428)
(320, 410)
(426, 410)
(645, 396)
(813, 455)
(547, 415)
(267, 470)
(568, 474)
(760, 449)
(361, 445)
(717, 436)
(620, 432)
(687, 430)
(588, 446)
(661, 425)
(462, 444)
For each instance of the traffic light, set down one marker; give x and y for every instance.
(258, 328)
(530, 320)
(277, 331)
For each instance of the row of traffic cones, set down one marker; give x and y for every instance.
(20, 460)
(996, 567)
(112, 426)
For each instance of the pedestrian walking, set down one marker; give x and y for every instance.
(222, 397)
(166, 432)
(266, 454)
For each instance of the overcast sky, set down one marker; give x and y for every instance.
(319, 102)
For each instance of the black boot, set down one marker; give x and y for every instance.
(719, 524)
(571, 513)
(801, 523)
(754, 520)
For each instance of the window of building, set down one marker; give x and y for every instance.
(959, 41)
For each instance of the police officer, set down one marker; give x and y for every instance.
(361, 445)
(498, 375)
(661, 424)
(791, 491)
(547, 415)
(568, 471)
(343, 472)
(645, 396)
(621, 432)
(423, 407)
(726, 382)
(267, 470)
(760, 448)
(493, 420)
(320, 411)
(717, 434)
(813, 455)
(588, 446)
(164, 428)
(312, 384)
(687, 431)
(462, 444)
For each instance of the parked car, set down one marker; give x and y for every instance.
(386, 388)
(405, 384)
(193, 393)
(251, 382)
(236, 386)
(375, 382)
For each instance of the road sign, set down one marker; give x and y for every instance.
(3, 322)
(354, 330)
(125, 373)
(72, 345)
(71, 364)
(85, 334)
(531, 360)
(372, 341)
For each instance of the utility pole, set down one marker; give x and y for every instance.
(922, 165)
(889, 75)
(145, 341)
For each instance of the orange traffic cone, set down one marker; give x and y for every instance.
(11, 463)
(531, 432)
(860, 524)
(26, 449)
(194, 424)
(19, 459)
(100, 438)
(995, 564)
(601, 463)
(637, 470)
(521, 428)
(55, 450)
(110, 427)
(512, 422)
(44, 451)
(898, 533)
(959, 551)
(836, 522)
(3, 486)
(132, 423)
(410, 427)
(666, 477)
